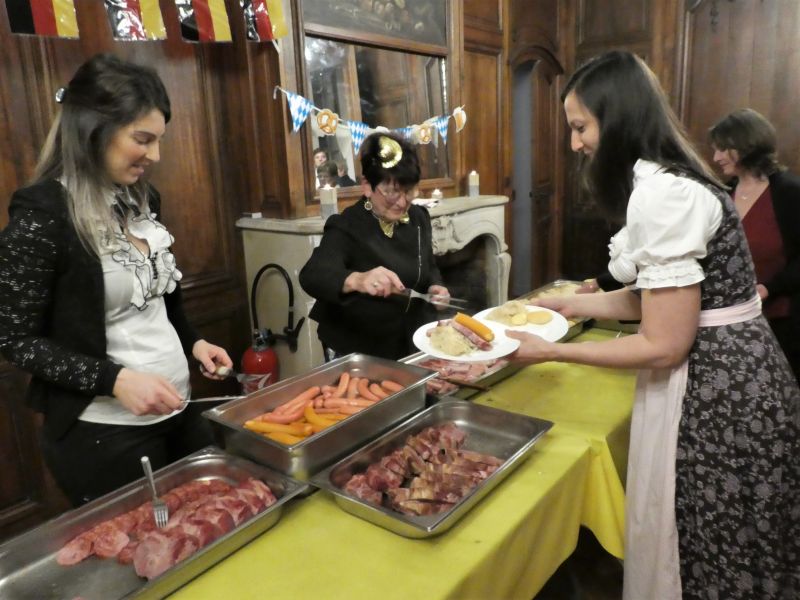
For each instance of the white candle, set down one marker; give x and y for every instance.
(436, 194)
(473, 182)
(327, 201)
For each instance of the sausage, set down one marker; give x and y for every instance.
(344, 380)
(363, 389)
(378, 390)
(301, 398)
(352, 387)
(391, 386)
(473, 337)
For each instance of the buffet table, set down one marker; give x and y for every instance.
(506, 547)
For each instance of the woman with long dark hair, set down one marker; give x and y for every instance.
(767, 198)
(713, 485)
(90, 301)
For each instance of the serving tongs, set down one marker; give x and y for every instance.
(450, 302)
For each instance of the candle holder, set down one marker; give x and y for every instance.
(473, 184)
(327, 201)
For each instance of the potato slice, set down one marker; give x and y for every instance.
(539, 317)
(518, 319)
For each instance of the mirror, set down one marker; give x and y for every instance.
(378, 87)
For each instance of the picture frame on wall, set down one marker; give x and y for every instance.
(389, 22)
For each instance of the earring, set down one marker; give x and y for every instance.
(368, 204)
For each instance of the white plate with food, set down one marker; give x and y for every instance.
(520, 316)
(466, 344)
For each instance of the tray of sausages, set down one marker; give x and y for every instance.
(301, 425)
(110, 548)
(419, 478)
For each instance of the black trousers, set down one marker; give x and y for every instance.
(94, 459)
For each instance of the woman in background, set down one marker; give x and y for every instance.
(90, 303)
(370, 253)
(713, 485)
(767, 198)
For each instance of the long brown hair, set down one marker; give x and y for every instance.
(105, 94)
(636, 122)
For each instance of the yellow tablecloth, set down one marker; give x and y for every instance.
(593, 404)
(507, 546)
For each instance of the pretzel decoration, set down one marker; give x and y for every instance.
(327, 121)
(460, 118)
(423, 133)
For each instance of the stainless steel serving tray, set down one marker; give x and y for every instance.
(489, 430)
(28, 567)
(303, 459)
(492, 376)
(578, 323)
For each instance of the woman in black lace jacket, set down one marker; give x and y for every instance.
(90, 300)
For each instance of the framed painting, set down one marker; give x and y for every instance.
(417, 24)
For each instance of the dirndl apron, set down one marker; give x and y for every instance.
(652, 566)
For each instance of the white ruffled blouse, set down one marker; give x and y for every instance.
(670, 221)
(139, 334)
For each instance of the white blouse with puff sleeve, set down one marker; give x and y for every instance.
(670, 221)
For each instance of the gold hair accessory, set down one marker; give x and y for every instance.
(389, 151)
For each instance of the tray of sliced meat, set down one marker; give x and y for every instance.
(111, 547)
(303, 424)
(418, 479)
(462, 380)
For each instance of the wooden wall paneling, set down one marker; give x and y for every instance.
(297, 147)
(534, 39)
(603, 23)
(743, 54)
(485, 90)
(534, 28)
(27, 494)
(483, 14)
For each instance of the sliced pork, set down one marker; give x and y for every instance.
(428, 475)
(201, 511)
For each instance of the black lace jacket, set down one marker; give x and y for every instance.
(52, 307)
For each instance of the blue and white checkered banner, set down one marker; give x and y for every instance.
(405, 132)
(441, 124)
(358, 131)
(300, 108)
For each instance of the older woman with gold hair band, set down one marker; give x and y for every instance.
(767, 198)
(376, 248)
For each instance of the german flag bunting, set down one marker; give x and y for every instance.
(204, 20)
(264, 20)
(135, 20)
(43, 17)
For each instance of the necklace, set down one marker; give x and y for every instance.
(387, 227)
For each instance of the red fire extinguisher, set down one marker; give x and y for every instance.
(259, 365)
(260, 361)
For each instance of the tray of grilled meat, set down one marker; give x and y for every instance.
(111, 548)
(369, 394)
(461, 380)
(419, 478)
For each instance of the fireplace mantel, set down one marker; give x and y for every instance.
(289, 242)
